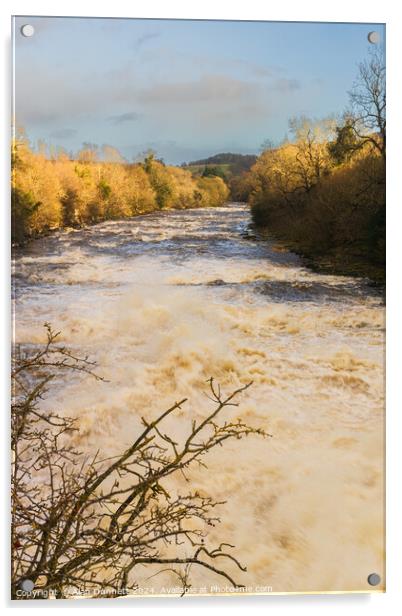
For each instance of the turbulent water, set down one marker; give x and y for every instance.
(163, 302)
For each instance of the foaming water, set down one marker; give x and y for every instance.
(163, 302)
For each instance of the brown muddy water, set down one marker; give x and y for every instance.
(164, 301)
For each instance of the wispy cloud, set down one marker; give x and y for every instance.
(63, 133)
(130, 116)
(207, 88)
(286, 85)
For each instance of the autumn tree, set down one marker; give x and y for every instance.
(36, 190)
(214, 191)
(311, 154)
(23, 202)
(89, 153)
(142, 197)
(111, 154)
(241, 186)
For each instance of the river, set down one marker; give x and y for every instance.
(164, 301)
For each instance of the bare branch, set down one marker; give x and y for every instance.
(86, 522)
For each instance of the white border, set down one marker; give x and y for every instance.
(287, 10)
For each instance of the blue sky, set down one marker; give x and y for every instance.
(186, 89)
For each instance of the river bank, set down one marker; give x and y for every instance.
(342, 261)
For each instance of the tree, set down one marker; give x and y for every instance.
(87, 523)
(368, 102)
(213, 171)
(141, 194)
(267, 144)
(161, 181)
(111, 154)
(346, 143)
(312, 159)
(23, 207)
(23, 202)
(215, 191)
(36, 191)
(89, 153)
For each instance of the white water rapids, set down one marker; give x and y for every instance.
(164, 301)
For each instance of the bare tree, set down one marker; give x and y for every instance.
(83, 524)
(368, 102)
(311, 155)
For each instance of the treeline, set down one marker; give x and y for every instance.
(237, 162)
(49, 193)
(323, 191)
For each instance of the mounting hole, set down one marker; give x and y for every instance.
(27, 30)
(373, 37)
(27, 585)
(374, 579)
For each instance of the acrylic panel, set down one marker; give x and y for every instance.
(198, 238)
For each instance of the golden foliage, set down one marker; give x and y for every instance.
(213, 191)
(48, 194)
(323, 204)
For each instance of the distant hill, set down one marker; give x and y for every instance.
(229, 164)
(226, 157)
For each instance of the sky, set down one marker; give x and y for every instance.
(186, 89)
